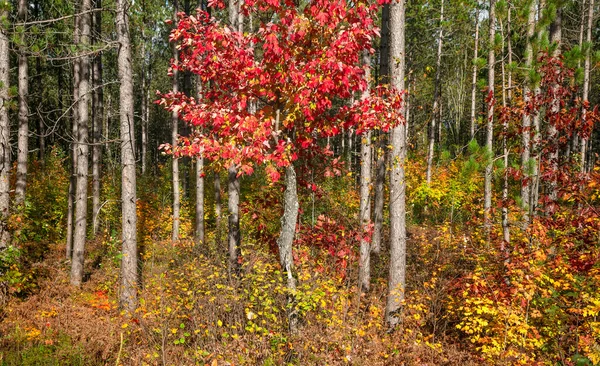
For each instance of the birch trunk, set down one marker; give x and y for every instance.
(436, 97)
(4, 136)
(526, 134)
(81, 204)
(23, 135)
(474, 81)
(233, 237)
(174, 139)
(364, 276)
(555, 38)
(586, 80)
(397, 271)
(285, 241)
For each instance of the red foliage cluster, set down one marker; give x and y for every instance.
(267, 96)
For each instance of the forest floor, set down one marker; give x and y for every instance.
(193, 313)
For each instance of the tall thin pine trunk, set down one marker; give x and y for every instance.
(556, 39)
(81, 189)
(397, 271)
(487, 200)
(4, 135)
(129, 261)
(75, 137)
(23, 136)
(436, 113)
(97, 118)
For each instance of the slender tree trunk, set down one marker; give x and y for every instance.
(526, 134)
(23, 139)
(129, 263)
(436, 97)
(199, 200)
(364, 276)
(487, 205)
(217, 187)
(505, 100)
(586, 80)
(4, 135)
(285, 241)
(380, 170)
(174, 140)
(74, 152)
(97, 118)
(234, 237)
(145, 104)
(555, 38)
(397, 272)
(474, 81)
(81, 204)
(384, 49)
(199, 232)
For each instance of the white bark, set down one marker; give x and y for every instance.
(4, 136)
(586, 79)
(23, 135)
(174, 140)
(487, 200)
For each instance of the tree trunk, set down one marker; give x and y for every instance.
(286, 240)
(474, 81)
(586, 80)
(4, 136)
(233, 237)
(199, 200)
(487, 204)
(397, 272)
(436, 97)
(526, 134)
(129, 263)
(555, 38)
(74, 153)
(379, 195)
(384, 50)
(81, 203)
(364, 276)
(505, 227)
(217, 187)
(174, 140)
(97, 118)
(23, 139)
(145, 105)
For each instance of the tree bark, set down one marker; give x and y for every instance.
(487, 204)
(97, 119)
(586, 81)
(397, 271)
(474, 81)
(129, 267)
(217, 187)
(81, 203)
(436, 97)
(23, 135)
(74, 153)
(199, 200)
(174, 140)
(364, 275)
(4, 135)
(233, 237)
(526, 134)
(286, 240)
(555, 38)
